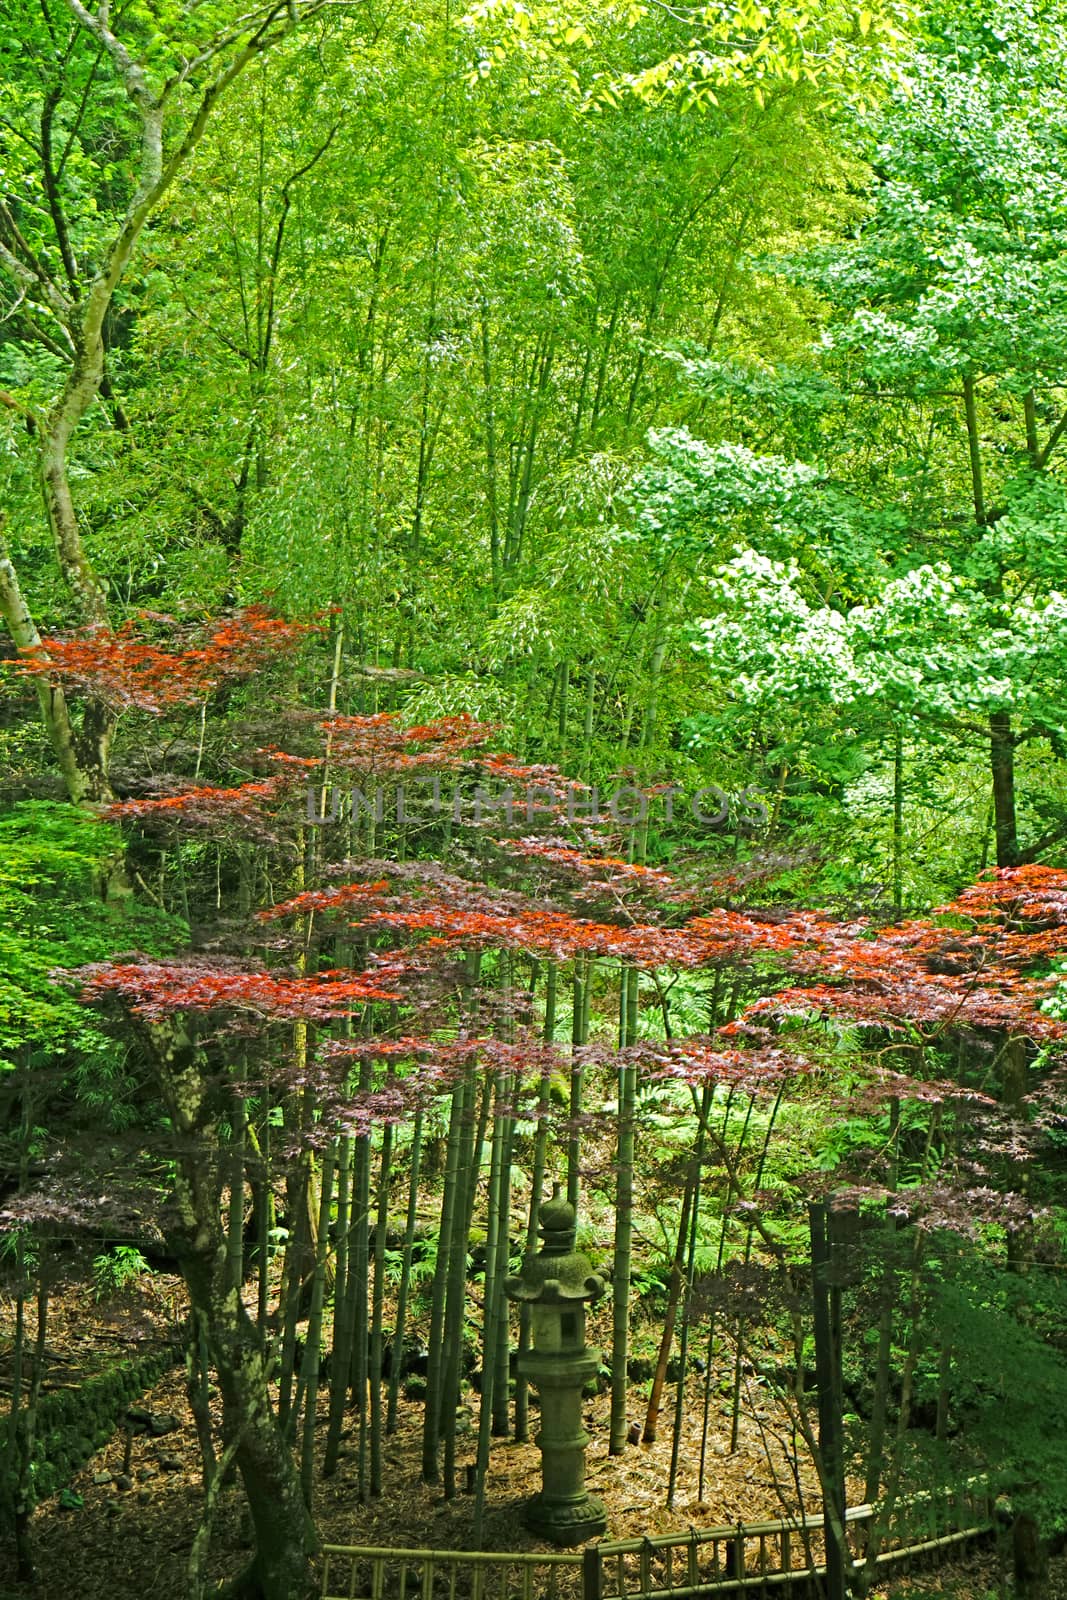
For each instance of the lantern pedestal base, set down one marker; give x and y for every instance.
(563, 1522)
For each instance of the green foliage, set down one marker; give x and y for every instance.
(877, 529)
(52, 918)
(1009, 1379)
(116, 1269)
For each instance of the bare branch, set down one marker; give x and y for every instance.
(23, 138)
(224, 339)
(225, 39)
(279, 237)
(78, 119)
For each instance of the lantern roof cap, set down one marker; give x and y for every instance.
(558, 1272)
(557, 1216)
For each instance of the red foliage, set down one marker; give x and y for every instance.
(697, 1060)
(479, 918)
(381, 744)
(156, 989)
(1017, 894)
(608, 873)
(505, 767)
(918, 974)
(924, 975)
(883, 1084)
(329, 900)
(981, 961)
(202, 803)
(126, 672)
(355, 748)
(550, 933)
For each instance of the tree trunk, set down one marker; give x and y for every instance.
(1002, 762)
(84, 769)
(284, 1534)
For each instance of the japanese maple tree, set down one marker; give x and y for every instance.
(357, 1000)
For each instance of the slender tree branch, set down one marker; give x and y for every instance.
(225, 39)
(224, 339)
(83, 106)
(35, 331)
(1051, 442)
(21, 261)
(276, 253)
(974, 450)
(84, 760)
(23, 138)
(51, 189)
(32, 416)
(158, 172)
(1047, 840)
(1030, 422)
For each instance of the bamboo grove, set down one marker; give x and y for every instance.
(402, 1020)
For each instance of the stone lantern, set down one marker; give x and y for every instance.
(557, 1283)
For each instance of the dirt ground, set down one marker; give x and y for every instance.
(128, 1543)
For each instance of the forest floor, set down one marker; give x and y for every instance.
(127, 1544)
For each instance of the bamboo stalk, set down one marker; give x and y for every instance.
(235, 1215)
(472, 1137)
(292, 1289)
(624, 1197)
(501, 1350)
(431, 1427)
(381, 1231)
(359, 1272)
(314, 1328)
(707, 1100)
(491, 1309)
(537, 1179)
(735, 1405)
(404, 1288)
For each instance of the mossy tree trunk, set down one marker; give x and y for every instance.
(284, 1535)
